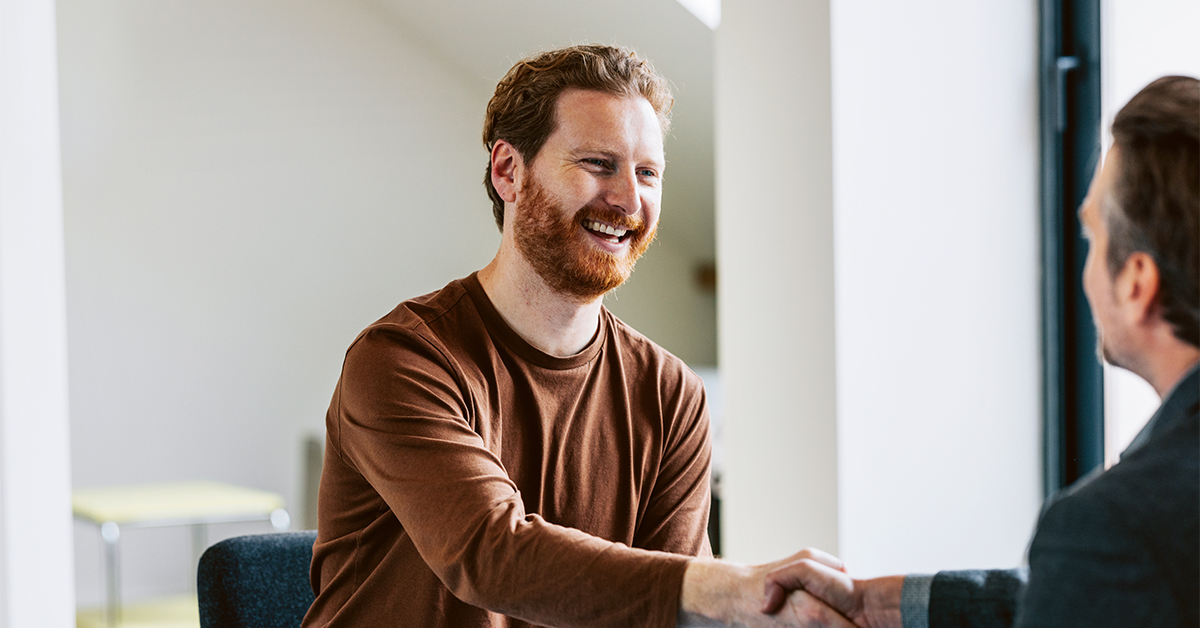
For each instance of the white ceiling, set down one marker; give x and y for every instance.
(485, 37)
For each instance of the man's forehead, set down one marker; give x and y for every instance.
(595, 120)
(1101, 185)
(577, 97)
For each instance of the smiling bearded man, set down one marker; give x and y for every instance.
(505, 451)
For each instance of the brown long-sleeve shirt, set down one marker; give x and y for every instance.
(471, 479)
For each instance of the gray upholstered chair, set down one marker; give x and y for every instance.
(259, 580)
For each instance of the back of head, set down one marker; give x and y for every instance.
(521, 112)
(1155, 201)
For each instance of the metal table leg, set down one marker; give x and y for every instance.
(199, 544)
(111, 533)
(280, 520)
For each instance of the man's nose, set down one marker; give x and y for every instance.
(623, 194)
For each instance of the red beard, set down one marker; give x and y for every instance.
(554, 244)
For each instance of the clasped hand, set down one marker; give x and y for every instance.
(813, 589)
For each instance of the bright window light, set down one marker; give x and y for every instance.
(707, 11)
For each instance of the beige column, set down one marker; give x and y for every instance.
(775, 267)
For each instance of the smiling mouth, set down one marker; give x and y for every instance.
(612, 234)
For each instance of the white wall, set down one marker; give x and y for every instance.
(936, 225)
(928, 457)
(35, 533)
(775, 258)
(663, 301)
(247, 185)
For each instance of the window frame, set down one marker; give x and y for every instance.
(1070, 110)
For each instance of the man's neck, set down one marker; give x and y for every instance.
(1165, 359)
(1168, 372)
(557, 324)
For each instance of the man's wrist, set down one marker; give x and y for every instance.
(711, 591)
(881, 601)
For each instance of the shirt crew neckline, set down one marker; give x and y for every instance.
(500, 330)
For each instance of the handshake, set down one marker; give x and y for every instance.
(810, 589)
(815, 590)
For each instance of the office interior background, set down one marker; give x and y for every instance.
(203, 201)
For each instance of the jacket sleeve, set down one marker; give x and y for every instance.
(975, 598)
(404, 423)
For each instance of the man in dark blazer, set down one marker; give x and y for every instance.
(1121, 547)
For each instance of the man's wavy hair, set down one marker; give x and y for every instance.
(1154, 206)
(521, 112)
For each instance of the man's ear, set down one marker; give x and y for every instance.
(1137, 287)
(507, 167)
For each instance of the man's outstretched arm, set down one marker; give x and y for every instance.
(981, 599)
(720, 593)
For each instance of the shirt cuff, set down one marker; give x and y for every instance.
(914, 601)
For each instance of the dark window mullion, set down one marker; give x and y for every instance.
(1073, 385)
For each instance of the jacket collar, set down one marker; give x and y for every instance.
(1175, 407)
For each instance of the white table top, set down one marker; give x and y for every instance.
(178, 501)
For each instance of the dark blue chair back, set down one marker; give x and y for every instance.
(258, 581)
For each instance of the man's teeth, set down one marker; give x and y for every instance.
(603, 228)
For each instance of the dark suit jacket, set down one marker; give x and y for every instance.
(1122, 549)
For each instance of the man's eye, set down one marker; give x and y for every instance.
(600, 163)
(648, 173)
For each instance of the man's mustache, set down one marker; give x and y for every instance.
(610, 216)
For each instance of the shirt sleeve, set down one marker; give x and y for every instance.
(404, 425)
(676, 518)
